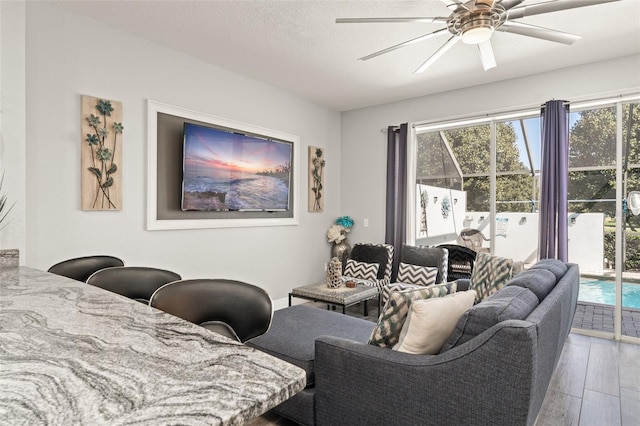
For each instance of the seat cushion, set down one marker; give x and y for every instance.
(539, 281)
(511, 302)
(294, 330)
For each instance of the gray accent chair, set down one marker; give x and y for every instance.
(81, 268)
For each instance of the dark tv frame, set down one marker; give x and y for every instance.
(164, 190)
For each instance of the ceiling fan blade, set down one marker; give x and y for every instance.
(552, 6)
(427, 19)
(455, 5)
(509, 4)
(538, 32)
(403, 44)
(486, 55)
(438, 53)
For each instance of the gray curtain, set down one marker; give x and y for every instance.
(554, 179)
(396, 191)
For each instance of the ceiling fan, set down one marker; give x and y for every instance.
(475, 21)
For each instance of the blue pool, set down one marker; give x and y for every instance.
(598, 291)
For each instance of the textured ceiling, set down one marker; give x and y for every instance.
(298, 47)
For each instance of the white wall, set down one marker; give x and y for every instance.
(12, 121)
(67, 56)
(364, 143)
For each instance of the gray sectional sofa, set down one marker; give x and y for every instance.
(494, 369)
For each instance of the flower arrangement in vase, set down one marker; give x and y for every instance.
(337, 234)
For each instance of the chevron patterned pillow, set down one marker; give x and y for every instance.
(394, 313)
(490, 274)
(415, 274)
(361, 270)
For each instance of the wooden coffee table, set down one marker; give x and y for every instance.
(339, 296)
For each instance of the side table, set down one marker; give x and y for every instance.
(339, 296)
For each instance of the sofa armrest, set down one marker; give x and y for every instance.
(486, 380)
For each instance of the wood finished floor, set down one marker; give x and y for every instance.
(596, 383)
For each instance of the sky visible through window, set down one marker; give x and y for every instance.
(532, 126)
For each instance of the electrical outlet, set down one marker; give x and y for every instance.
(365, 223)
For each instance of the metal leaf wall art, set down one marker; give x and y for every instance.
(101, 154)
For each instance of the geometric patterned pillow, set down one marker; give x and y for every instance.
(387, 330)
(362, 270)
(414, 274)
(388, 289)
(490, 274)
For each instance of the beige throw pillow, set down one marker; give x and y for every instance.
(431, 321)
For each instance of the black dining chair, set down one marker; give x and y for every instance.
(135, 282)
(81, 268)
(234, 309)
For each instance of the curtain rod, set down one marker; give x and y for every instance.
(565, 103)
(502, 114)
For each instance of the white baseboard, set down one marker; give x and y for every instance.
(284, 302)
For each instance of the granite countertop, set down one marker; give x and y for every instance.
(73, 354)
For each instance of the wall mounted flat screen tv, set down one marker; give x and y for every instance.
(226, 170)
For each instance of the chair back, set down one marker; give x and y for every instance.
(135, 282)
(244, 308)
(382, 254)
(473, 238)
(460, 262)
(81, 268)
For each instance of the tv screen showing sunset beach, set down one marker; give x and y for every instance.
(229, 171)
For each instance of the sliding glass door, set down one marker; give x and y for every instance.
(482, 175)
(630, 280)
(604, 226)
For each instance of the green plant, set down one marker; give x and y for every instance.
(5, 208)
(632, 246)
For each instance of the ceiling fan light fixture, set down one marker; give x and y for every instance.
(477, 35)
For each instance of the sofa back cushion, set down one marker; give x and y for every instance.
(427, 256)
(539, 281)
(511, 302)
(490, 273)
(557, 267)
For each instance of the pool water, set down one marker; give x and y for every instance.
(598, 291)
